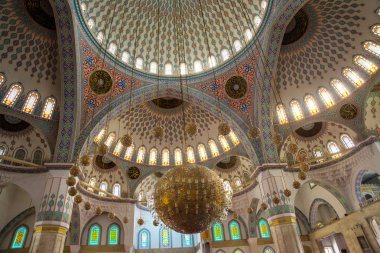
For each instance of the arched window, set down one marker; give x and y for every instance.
(225, 54)
(257, 21)
(91, 23)
(226, 185)
(2, 79)
(118, 148)
(264, 5)
(326, 97)
(100, 37)
(347, 141)
(333, 148)
(153, 68)
(213, 148)
(20, 154)
(165, 157)
(237, 45)
(372, 48)
(202, 152)
(116, 190)
(112, 48)
(140, 197)
(376, 30)
(317, 152)
(264, 229)
(110, 139)
(234, 230)
(190, 154)
(153, 156)
(183, 69)
(91, 183)
(12, 94)
(125, 57)
(94, 235)
(198, 66)
(141, 155)
(268, 249)
(237, 182)
(47, 112)
(234, 138)
(165, 240)
(223, 141)
(311, 104)
(340, 88)
(168, 69)
(365, 64)
(212, 61)
(3, 150)
(19, 237)
(144, 239)
(139, 63)
(248, 34)
(129, 152)
(114, 235)
(281, 114)
(103, 187)
(31, 102)
(238, 251)
(187, 241)
(217, 232)
(178, 156)
(353, 77)
(296, 110)
(37, 157)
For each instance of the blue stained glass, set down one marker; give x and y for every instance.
(94, 235)
(113, 235)
(235, 231)
(264, 229)
(187, 240)
(144, 239)
(19, 238)
(218, 232)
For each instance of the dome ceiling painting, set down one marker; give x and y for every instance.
(129, 28)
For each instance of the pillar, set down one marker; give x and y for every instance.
(352, 241)
(54, 215)
(370, 235)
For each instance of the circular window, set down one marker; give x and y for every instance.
(100, 82)
(236, 87)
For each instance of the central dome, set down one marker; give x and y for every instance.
(119, 26)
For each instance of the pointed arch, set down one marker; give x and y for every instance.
(144, 239)
(31, 101)
(19, 237)
(12, 94)
(165, 238)
(94, 235)
(218, 232)
(264, 229)
(113, 237)
(235, 231)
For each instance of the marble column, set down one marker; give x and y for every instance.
(54, 215)
(370, 235)
(352, 241)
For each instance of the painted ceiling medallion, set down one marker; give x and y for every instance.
(100, 82)
(236, 87)
(296, 28)
(133, 172)
(348, 111)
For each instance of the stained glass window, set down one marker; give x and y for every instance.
(326, 97)
(129, 152)
(217, 231)
(165, 157)
(3, 150)
(2, 79)
(237, 181)
(12, 94)
(264, 229)
(340, 88)
(281, 114)
(168, 69)
(91, 23)
(153, 68)
(317, 152)
(238, 251)
(144, 239)
(140, 197)
(139, 63)
(237, 45)
(212, 61)
(268, 250)
(333, 147)
(31, 102)
(226, 185)
(165, 238)
(365, 64)
(118, 148)
(353, 77)
(202, 152)
(99, 137)
(19, 238)
(37, 157)
(187, 240)
(94, 235)
(47, 112)
(311, 104)
(112, 48)
(248, 34)
(296, 110)
(376, 30)
(178, 156)
(264, 5)
(213, 148)
(110, 139)
(347, 141)
(125, 57)
(190, 154)
(91, 183)
(198, 66)
(234, 138)
(372, 48)
(225, 54)
(257, 21)
(141, 155)
(113, 234)
(153, 156)
(100, 37)
(223, 141)
(183, 69)
(103, 187)
(20, 154)
(116, 190)
(235, 230)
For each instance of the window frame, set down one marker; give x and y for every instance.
(99, 237)
(118, 235)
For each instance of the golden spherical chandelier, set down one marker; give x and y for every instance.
(188, 199)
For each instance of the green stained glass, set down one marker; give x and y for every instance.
(264, 229)
(19, 238)
(235, 231)
(165, 238)
(113, 235)
(218, 232)
(94, 236)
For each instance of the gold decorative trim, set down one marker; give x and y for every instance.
(264, 241)
(281, 221)
(54, 229)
